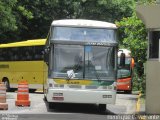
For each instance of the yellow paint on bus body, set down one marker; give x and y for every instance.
(79, 82)
(32, 71)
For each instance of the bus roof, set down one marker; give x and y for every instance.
(35, 42)
(83, 23)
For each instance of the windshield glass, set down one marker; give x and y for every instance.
(82, 33)
(124, 71)
(67, 57)
(99, 62)
(87, 62)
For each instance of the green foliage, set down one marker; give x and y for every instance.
(24, 12)
(44, 12)
(11, 15)
(134, 38)
(7, 18)
(29, 19)
(139, 82)
(146, 1)
(107, 10)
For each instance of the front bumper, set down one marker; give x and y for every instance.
(81, 96)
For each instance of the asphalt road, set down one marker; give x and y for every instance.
(125, 104)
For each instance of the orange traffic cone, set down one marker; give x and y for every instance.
(3, 104)
(23, 95)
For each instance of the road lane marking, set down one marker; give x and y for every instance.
(138, 105)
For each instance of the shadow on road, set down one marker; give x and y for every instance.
(77, 108)
(123, 92)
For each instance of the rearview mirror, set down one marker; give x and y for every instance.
(122, 59)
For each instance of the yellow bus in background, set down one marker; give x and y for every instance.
(23, 61)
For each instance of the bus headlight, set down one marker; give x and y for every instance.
(110, 87)
(104, 87)
(50, 83)
(58, 86)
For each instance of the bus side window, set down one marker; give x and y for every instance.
(38, 53)
(28, 56)
(29, 52)
(16, 54)
(2, 51)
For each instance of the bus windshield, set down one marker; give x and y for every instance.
(124, 71)
(87, 62)
(83, 34)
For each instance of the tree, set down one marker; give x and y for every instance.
(10, 19)
(106, 10)
(133, 36)
(7, 18)
(33, 17)
(46, 11)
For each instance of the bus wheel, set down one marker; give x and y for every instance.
(128, 91)
(102, 107)
(50, 105)
(45, 99)
(6, 82)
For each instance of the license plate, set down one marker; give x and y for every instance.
(58, 98)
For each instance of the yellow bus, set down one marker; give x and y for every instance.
(22, 61)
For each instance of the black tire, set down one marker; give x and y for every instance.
(128, 91)
(7, 84)
(51, 105)
(32, 90)
(45, 99)
(102, 107)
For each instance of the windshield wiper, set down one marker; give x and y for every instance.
(96, 74)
